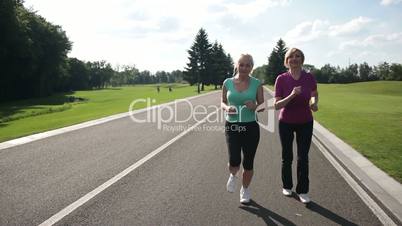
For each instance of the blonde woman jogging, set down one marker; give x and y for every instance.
(241, 95)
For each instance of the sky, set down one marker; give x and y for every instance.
(155, 35)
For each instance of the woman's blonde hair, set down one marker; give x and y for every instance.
(243, 55)
(291, 51)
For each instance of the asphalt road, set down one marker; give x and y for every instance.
(184, 184)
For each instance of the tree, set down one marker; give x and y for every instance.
(198, 68)
(276, 62)
(10, 41)
(221, 65)
(384, 71)
(319, 77)
(328, 74)
(33, 53)
(396, 72)
(144, 78)
(365, 71)
(161, 77)
(130, 74)
(100, 74)
(309, 67)
(79, 74)
(191, 73)
(229, 67)
(349, 74)
(177, 75)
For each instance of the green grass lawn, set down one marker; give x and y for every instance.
(27, 117)
(368, 116)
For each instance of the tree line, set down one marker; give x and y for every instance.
(100, 74)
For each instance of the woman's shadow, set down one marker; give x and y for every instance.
(328, 214)
(269, 217)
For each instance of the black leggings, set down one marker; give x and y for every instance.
(242, 136)
(304, 134)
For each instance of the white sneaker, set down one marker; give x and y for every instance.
(231, 184)
(304, 198)
(244, 195)
(286, 192)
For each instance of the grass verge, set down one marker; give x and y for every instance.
(22, 118)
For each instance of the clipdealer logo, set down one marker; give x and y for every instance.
(164, 114)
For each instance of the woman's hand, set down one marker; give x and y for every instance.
(314, 107)
(296, 91)
(251, 105)
(231, 110)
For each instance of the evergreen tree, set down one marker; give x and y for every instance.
(198, 69)
(221, 65)
(229, 67)
(275, 62)
(191, 73)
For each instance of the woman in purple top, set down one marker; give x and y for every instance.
(296, 95)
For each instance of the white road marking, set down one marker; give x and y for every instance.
(64, 212)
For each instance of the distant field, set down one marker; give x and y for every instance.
(368, 116)
(27, 117)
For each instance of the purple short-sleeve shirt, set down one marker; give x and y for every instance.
(298, 109)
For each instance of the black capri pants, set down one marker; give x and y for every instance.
(242, 136)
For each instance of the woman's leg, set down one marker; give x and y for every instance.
(250, 140)
(234, 152)
(234, 148)
(247, 176)
(286, 136)
(303, 138)
(233, 169)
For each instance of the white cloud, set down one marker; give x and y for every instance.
(358, 40)
(384, 38)
(351, 27)
(252, 9)
(306, 31)
(352, 43)
(312, 30)
(377, 40)
(390, 2)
